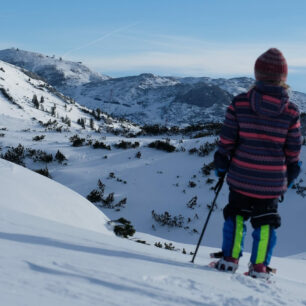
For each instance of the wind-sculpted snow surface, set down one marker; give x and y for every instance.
(29, 193)
(46, 262)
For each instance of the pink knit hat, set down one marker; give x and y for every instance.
(271, 66)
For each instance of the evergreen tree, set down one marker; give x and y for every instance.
(35, 101)
(91, 124)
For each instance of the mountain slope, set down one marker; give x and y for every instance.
(145, 99)
(18, 89)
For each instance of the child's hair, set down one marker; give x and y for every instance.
(278, 83)
(273, 83)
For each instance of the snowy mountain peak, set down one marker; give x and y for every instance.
(55, 70)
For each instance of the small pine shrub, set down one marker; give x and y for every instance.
(35, 101)
(44, 172)
(169, 246)
(101, 145)
(60, 157)
(158, 244)
(162, 145)
(77, 141)
(193, 151)
(38, 138)
(192, 184)
(96, 195)
(125, 229)
(81, 122)
(206, 169)
(108, 200)
(207, 148)
(193, 202)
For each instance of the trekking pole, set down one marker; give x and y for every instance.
(217, 189)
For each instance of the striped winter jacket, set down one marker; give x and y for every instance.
(260, 138)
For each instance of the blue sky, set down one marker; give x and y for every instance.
(216, 38)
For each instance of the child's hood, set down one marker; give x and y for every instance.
(269, 101)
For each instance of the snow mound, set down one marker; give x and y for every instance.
(28, 192)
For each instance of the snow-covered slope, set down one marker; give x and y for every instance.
(46, 262)
(18, 89)
(27, 192)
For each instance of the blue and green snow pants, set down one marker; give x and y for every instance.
(264, 219)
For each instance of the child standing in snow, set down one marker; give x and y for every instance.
(259, 149)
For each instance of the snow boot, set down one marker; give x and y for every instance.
(260, 271)
(226, 264)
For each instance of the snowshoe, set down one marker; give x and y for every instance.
(226, 264)
(260, 271)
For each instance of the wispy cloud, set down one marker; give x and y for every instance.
(107, 35)
(190, 56)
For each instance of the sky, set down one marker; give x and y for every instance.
(214, 38)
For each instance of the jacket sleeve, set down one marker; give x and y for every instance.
(228, 139)
(292, 149)
(293, 142)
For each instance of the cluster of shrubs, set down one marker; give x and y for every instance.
(205, 149)
(162, 145)
(97, 196)
(209, 128)
(167, 246)
(113, 176)
(44, 172)
(19, 153)
(52, 125)
(166, 219)
(15, 155)
(301, 190)
(101, 145)
(126, 145)
(206, 169)
(77, 141)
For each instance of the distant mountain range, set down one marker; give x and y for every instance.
(144, 99)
